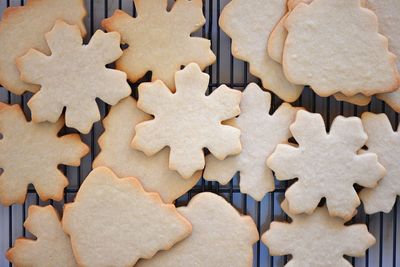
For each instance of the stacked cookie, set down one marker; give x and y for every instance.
(307, 43)
(155, 149)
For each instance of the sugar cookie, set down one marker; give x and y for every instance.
(260, 134)
(188, 121)
(249, 23)
(52, 246)
(276, 43)
(358, 99)
(389, 25)
(114, 222)
(326, 164)
(383, 141)
(74, 76)
(317, 240)
(117, 154)
(321, 50)
(30, 153)
(23, 27)
(221, 237)
(159, 40)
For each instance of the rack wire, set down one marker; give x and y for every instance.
(234, 73)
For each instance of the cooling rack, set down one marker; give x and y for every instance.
(234, 73)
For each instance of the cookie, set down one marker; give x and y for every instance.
(117, 154)
(385, 142)
(83, 72)
(160, 41)
(249, 23)
(358, 99)
(188, 121)
(317, 240)
(119, 222)
(260, 134)
(276, 43)
(52, 246)
(30, 154)
(277, 38)
(221, 237)
(321, 50)
(326, 164)
(389, 25)
(23, 27)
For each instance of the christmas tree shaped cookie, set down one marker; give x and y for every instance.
(326, 164)
(30, 154)
(276, 43)
(114, 222)
(389, 25)
(52, 246)
(249, 23)
(277, 38)
(221, 237)
(160, 41)
(117, 154)
(383, 141)
(334, 46)
(188, 121)
(260, 134)
(24, 27)
(317, 240)
(74, 76)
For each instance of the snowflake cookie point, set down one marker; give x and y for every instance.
(326, 164)
(83, 70)
(188, 118)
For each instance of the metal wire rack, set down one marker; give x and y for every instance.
(234, 73)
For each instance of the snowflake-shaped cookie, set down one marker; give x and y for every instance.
(30, 153)
(159, 40)
(24, 27)
(383, 141)
(317, 240)
(326, 164)
(188, 121)
(260, 134)
(74, 76)
(117, 154)
(52, 247)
